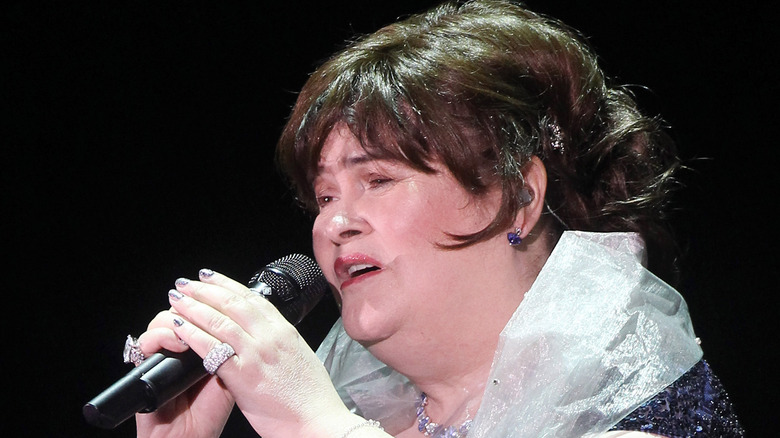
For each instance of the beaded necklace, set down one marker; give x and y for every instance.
(429, 428)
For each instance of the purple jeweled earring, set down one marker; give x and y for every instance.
(514, 237)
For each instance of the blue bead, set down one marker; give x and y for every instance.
(422, 424)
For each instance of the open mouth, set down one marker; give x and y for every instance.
(355, 267)
(355, 271)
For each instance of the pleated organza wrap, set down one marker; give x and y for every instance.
(595, 336)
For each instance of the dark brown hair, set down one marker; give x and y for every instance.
(481, 86)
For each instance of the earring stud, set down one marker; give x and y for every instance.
(514, 237)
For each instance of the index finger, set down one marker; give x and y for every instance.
(229, 297)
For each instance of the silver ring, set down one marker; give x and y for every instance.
(132, 353)
(217, 356)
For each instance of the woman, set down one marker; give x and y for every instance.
(448, 159)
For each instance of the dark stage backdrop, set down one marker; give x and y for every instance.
(138, 140)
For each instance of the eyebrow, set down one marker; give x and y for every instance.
(353, 161)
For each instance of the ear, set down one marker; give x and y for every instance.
(534, 190)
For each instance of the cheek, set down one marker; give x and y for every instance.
(430, 217)
(406, 220)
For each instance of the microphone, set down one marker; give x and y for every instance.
(294, 284)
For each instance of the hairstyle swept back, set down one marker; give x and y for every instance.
(481, 86)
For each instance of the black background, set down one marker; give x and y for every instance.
(138, 140)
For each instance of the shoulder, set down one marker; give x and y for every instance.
(695, 404)
(625, 434)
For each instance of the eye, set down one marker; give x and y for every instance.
(324, 193)
(377, 180)
(323, 200)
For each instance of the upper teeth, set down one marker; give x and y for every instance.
(354, 268)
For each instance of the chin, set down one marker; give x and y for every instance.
(366, 326)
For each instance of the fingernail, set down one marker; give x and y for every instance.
(175, 295)
(182, 282)
(178, 322)
(205, 273)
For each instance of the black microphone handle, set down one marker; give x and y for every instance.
(160, 378)
(294, 284)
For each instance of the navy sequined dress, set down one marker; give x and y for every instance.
(695, 405)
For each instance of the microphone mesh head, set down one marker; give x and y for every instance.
(303, 270)
(296, 282)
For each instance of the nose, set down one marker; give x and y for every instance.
(341, 226)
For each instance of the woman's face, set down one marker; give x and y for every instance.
(376, 238)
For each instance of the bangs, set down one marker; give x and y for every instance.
(387, 102)
(407, 95)
(376, 110)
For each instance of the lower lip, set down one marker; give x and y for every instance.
(358, 279)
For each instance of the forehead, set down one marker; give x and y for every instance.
(343, 149)
(340, 147)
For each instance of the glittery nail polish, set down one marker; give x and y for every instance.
(175, 295)
(182, 282)
(178, 322)
(205, 273)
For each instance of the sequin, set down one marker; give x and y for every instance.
(696, 405)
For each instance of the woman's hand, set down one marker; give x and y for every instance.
(274, 377)
(201, 411)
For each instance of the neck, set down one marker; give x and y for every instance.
(446, 348)
(453, 380)
(448, 353)
(450, 357)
